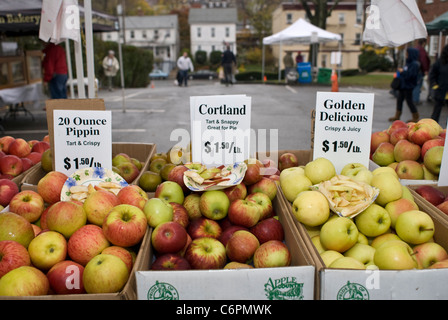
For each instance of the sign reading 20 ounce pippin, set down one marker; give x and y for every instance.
(82, 139)
(343, 127)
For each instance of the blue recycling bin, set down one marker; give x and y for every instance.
(304, 71)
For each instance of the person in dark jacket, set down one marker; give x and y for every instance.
(408, 76)
(424, 69)
(438, 79)
(55, 70)
(228, 61)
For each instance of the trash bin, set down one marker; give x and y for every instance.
(324, 76)
(304, 70)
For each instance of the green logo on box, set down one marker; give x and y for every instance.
(285, 288)
(162, 291)
(353, 291)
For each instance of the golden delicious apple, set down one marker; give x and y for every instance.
(311, 208)
(293, 181)
(389, 186)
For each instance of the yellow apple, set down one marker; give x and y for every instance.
(320, 169)
(389, 186)
(395, 255)
(311, 208)
(361, 252)
(347, 263)
(385, 169)
(293, 181)
(328, 256)
(317, 244)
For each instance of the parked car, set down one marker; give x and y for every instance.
(158, 74)
(203, 74)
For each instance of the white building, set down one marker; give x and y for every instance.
(158, 33)
(212, 29)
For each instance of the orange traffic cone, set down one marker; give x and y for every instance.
(265, 79)
(152, 85)
(334, 82)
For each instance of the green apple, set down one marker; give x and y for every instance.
(378, 241)
(352, 167)
(105, 273)
(384, 154)
(415, 227)
(389, 186)
(433, 159)
(47, 249)
(397, 207)
(149, 181)
(316, 242)
(157, 211)
(170, 191)
(361, 252)
(373, 221)
(347, 263)
(311, 208)
(320, 169)
(328, 256)
(385, 169)
(24, 281)
(362, 238)
(358, 172)
(407, 193)
(214, 204)
(293, 181)
(339, 234)
(395, 255)
(312, 231)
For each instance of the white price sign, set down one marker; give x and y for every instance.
(343, 127)
(220, 129)
(443, 175)
(82, 139)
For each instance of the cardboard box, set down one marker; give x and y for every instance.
(140, 151)
(129, 292)
(345, 284)
(294, 282)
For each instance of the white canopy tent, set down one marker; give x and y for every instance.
(300, 32)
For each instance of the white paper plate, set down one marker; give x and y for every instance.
(238, 170)
(93, 176)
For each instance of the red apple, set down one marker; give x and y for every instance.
(85, 243)
(65, 277)
(36, 229)
(133, 195)
(429, 253)
(253, 172)
(66, 217)
(431, 143)
(15, 227)
(399, 134)
(98, 204)
(409, 169)
(443, 207)
(384, 154)
(24, 281)
(406, 150)
(20, 148)
(421, 132)
(5, 142)
(40, 147)
(271, 254)
(204, 227)
(125, 225)
(121, 253)
(26, 164)
(169, 237)
(377, 138)
(128, 171)
(12, 256)
(170, 261)
(268, 229)
(50, 186)
(265, 203)
(191, 204)
(28, 204)
(11, 164)
(35, 157)
(266, 186)
(177, 175)
(396, 124)
(180, 214)
(242, 246)
(238, 191)
(287, 160)
(439, 265)
(245, 213)
(206, 253)
(7, 190)
(228, 232)
(269, 168)
(431, 194)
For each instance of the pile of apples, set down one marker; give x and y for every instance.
(126, 166)
(413, 149)
(49, 246)
(390, 234)
(235, 227)
(434, 196)
(18, 155)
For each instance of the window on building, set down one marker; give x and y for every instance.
(429, 1)
(198, 32)
(341, 18)
(213, 32)
(227, 32)
(433, 45)
(213, 48)
(289, 18)
(156, 34)
(132, 34)
(323, 61)
(357, 39)
(144, 34)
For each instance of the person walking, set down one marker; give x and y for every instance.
(111, 67)
(55, 70)
(438, 79)
(408, 81)
(184, 64)
(228, 61)
(424, 70)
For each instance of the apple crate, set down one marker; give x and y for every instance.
(346, 284)
(129, 291)
(425, 203)
(140, 151)
(237, 284)
(304, 156)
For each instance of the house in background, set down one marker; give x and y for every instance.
(212, 29)
(346, 19)
(431, 9)
(157, 33)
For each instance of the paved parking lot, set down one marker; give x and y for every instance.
(152, 114)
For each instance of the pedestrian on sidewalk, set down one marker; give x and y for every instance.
(110, 66)
(184, 64)
(55, 70)
(228, 61)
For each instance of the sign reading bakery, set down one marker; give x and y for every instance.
(220, 129)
